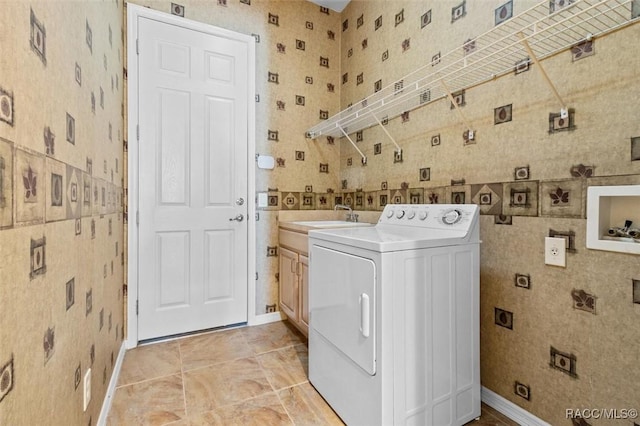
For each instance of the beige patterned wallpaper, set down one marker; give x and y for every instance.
(61, 237)
(551, 338)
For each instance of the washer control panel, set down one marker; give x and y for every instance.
(441, 216)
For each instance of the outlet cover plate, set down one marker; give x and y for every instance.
(555, 252)
(87, 389)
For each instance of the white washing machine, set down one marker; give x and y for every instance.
(394, 317)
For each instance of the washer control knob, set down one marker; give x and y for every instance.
(423, 215)
(400, 214)
(390, 213)
(411, 215)
(451, 217)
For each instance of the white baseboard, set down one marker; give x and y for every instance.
(511, 410)
(111, 390)
(267, 318)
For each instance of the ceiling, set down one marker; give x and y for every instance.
(337, 5)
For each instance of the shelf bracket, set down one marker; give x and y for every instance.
(457, 107)
(398, 149)
(563, 108)
(364, 158)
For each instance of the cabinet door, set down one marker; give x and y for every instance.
(304, 293)
(288, 283)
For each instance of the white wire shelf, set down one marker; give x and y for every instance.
(546, 28)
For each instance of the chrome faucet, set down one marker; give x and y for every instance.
(351, 216)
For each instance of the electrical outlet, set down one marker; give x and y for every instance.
(555, 252)
(87, 389)
(564, 113)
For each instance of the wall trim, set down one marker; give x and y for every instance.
(267, 318)
(111, 389)
(509, 409)
(133, 13)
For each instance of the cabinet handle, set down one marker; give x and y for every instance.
(293, 267)
(298, 268)
(364, 314)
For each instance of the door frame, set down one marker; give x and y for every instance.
(134, 12)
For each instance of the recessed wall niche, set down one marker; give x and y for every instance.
(613, 218)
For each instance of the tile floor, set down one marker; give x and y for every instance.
(244, 376)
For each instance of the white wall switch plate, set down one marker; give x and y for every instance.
(263, 199)
(87, 389)
(266, 162)
(555, 252)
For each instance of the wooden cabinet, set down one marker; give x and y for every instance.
(289, 303)
(304, 293)
(294, 278)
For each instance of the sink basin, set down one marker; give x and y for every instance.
(330, 223)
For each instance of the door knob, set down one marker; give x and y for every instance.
(238, 218)
(240, 201)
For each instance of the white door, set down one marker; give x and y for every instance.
(193, 115)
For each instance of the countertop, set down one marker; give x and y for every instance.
(292, 226)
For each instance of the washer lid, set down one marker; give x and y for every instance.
(401, 228)
(383, 238)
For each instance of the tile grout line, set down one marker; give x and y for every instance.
(235, 403)
(293, 386)
(184, 388)
(253, 355)
(284, 407)
(190, 370)
(292, 344)
(276, 392)
(146, 380)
